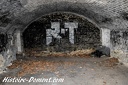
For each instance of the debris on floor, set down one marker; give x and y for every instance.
(109, 62)
(34, 66)
(78, 53)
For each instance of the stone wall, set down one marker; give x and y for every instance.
(119, 41)
(7, 52)
(86, 35)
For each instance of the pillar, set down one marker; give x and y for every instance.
(105, 37)
(18, 42)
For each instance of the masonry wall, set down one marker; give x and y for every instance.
(119, 41)
(86, 35)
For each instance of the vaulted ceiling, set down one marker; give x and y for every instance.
(17, 14)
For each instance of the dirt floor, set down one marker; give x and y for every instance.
(74, 70)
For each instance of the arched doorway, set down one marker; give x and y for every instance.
(61, 32)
